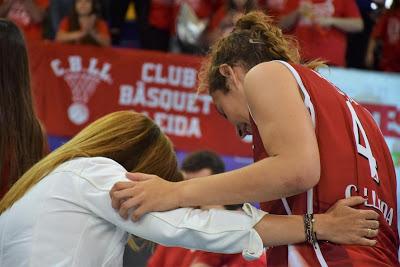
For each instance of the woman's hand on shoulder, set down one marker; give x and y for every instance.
(144, 194)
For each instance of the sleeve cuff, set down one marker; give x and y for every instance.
(255, 247)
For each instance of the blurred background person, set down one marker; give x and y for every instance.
(225, 18)
(386, 33)
(22, 142)
(196, 165)
(191, 19)
(84, 25)
(27, 14)
(320, 27)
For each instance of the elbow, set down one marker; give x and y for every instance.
(305, 174)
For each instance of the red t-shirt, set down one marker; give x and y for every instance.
(171, 256)
(227, 260)
(274, 8)
(326, 43)
(349, 166)
(181, 257)
(160, 14)
(20, 16)
(101, 26)
(387, 29)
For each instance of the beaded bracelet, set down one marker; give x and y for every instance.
(311, 236)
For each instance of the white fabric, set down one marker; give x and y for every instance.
(67, 220)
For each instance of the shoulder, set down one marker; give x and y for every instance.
(100, 172)
(267, 73)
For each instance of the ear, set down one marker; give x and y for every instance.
(225, 70)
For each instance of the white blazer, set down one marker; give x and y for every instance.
(67, 220)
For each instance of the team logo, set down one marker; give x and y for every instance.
(82, 82)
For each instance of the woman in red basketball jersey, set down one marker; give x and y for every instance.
(313, 146)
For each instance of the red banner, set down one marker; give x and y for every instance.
(75, 85)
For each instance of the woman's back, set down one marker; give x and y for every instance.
(54, 225)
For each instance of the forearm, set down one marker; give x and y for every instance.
(371, 46)
(266, 180)
(278, 230)
(348, 25)
(102, 40)
(65, 37)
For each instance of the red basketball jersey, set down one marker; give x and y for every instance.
(355, 160)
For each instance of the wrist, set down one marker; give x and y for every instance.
(181, 193)
(321, 226)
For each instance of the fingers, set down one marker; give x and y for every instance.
(371, 224)
(370, 233)
(366, 242)
(138, 213)
(137, 176)
(351, 201)
(115, 200)
(130, 204)
(370, 214)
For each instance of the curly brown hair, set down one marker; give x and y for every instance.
(255, 39)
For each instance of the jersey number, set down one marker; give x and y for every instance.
(363, 150)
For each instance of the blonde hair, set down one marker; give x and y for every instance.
(255, 39)
(128, 137)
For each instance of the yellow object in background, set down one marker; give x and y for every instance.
(130, 12)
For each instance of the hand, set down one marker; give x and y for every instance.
(88, 23)
(342, 224)
(144, 194)
(79, 35)
(305, 9)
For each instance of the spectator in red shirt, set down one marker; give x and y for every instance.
(22, 142)
(27, 14)
(84, 26)
(387, 31)
(199, 164)
(321, 26)
(159, 24)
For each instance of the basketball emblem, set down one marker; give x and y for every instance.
(78, 113)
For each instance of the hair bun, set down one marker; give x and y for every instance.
(252, 21)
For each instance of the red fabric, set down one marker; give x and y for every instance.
(160, 14)
(387, 29)
(101, 26)
(326, 43)
(217, 18)
(171, 257)
(274, 8)
(341, 166)
(227, 260)
(19, 15)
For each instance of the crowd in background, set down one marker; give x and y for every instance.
(346, 33)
